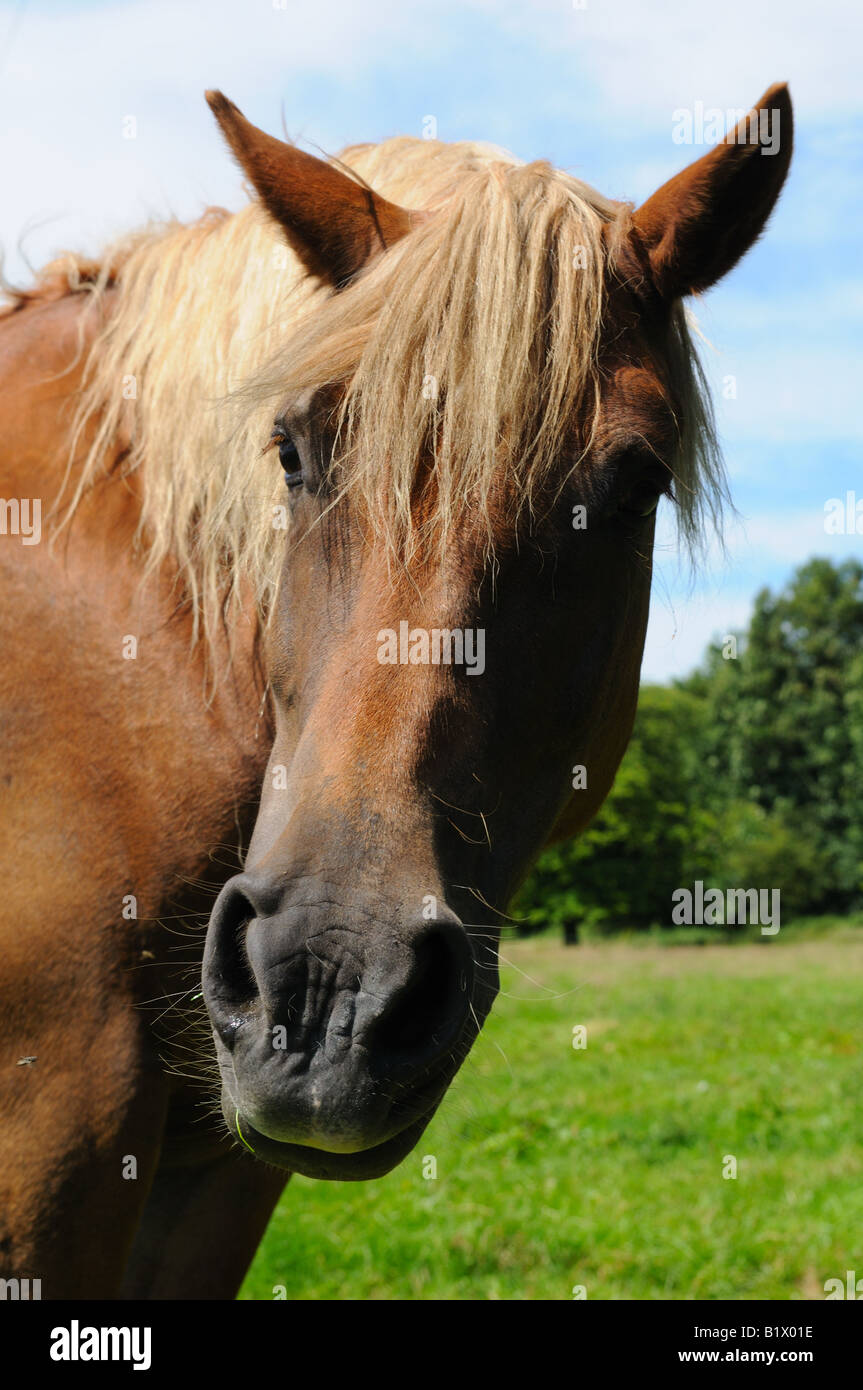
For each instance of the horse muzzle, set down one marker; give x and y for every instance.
(336, 1036)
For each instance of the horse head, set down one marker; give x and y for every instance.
(476, 426)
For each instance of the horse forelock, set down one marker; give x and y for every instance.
(473, 343)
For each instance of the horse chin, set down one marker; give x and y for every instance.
(359, 1166)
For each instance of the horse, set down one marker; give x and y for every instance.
(349, 502)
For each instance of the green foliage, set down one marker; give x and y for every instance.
(747, 774)
(782, 725)
(751, 847)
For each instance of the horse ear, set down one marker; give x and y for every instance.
(332, 222)
(699, 224)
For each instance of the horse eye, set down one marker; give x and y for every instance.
(641, 501)
(289, 458)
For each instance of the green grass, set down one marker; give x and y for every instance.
(603, 1167)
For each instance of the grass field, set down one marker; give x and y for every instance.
(603, 1167)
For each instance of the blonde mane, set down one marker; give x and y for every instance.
(472, 343)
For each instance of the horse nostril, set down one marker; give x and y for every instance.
(229, 982)
(427, 1014)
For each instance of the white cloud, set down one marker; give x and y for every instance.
(680, 629)
(643, 58)
(689, 610)
(72, 75)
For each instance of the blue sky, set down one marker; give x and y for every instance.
(591, 88)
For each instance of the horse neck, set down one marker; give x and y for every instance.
(43, 354)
